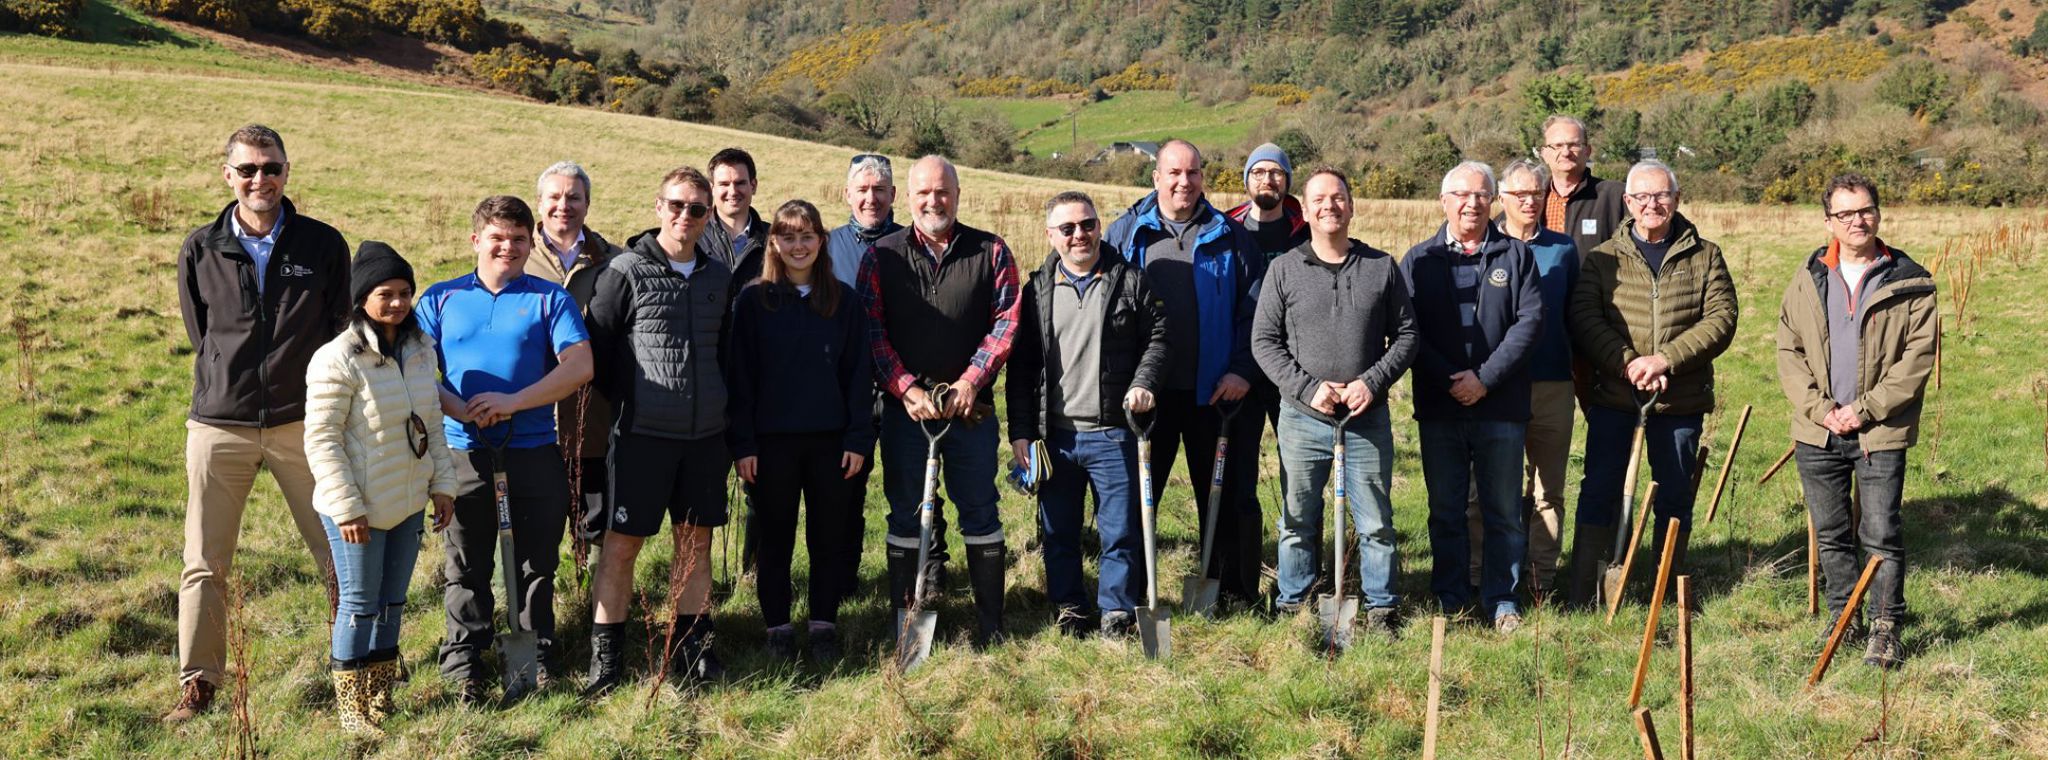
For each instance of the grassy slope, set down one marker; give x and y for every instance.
(1130, 116)
(91, 492)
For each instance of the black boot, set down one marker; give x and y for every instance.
(986, 564)
(694, 659)
(606, 640)
(1590, 548)
(902, 563)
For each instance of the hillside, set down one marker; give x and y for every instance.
(117, 158)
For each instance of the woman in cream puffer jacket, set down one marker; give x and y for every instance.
(374, 443)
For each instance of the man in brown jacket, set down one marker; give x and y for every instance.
(1653, 307)
(574, 255)
(1856, 336)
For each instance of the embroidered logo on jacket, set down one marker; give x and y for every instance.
(1498, 279)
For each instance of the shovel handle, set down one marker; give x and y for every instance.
(1628, 488)
(1728, 465)
(1628, 560)
(1215, 496)
(1340, 541)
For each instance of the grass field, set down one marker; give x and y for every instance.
(115, 157)
(1129, 116)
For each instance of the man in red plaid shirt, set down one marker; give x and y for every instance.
(942, 306)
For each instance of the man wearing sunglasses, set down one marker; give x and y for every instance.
(1576, 203)
(1653, 308)
(1856, 336)
(659, 320)
(1091, 343)
(261, 288)
(1206, 269)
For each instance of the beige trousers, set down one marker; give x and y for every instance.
(220, 467)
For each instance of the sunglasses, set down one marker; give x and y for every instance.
(690, 209)
(416, 434)
(876, 157)
(269, 168)
(1086, 225)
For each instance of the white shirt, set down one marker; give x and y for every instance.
(258, 248)
(568, 257)
(683, 268)
(1853, 275)
(803, 290)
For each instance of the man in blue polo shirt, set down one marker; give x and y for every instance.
(511, 345)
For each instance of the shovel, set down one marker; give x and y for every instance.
(1198, 592)
(1611, 573)
(916, 625)
(1155, 624)
(519, 648)
(1334, 611)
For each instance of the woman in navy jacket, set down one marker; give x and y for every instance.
(801, 410)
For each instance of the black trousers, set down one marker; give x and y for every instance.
(1825, 474)
(1240, 525)
(539, 486)
(802, 467)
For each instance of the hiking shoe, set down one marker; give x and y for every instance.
(1283, 610)
(1119, 624)
(1851, 635)
(782, 643)
(473, 692)
(196, 697)
(1506, 623)
(1381, 620)
(825, 645)
(1884, 650)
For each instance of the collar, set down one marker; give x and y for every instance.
(235, 224)
(933, 245)
(550, 242)
(1066, 275)
(869, 234)
(1457, 247)
(1833, 257)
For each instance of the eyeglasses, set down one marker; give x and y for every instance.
(691, 209)
(1867, 213)
(875, 157)
(1523, 196)
(1268, 174)
(1561, 147)
(1661, 198)
(416, 433)
(1471, 195)
(1086, 225)
(268, 168)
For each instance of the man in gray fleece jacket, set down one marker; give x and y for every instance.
(1334, 330)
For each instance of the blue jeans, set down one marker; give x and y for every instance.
(1107, 461)
(1825, 476)
(1482, 459)
(968, 461)
(372, 578)
(1305, 464)
(1672, 442)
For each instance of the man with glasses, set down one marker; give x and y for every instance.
(871, 197)
(1091, 343)
(511, 345)
(1206, 269)
(574, 256)
(1479, 313)
(942, 301)
(1548, 440)
(1650, 312)
(261, 289)
(658, 320)
(1587, 208)
(1856, 336)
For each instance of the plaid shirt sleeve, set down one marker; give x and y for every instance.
(995, 348)
(888, 366)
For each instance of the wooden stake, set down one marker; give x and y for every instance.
(1628, 560)
(1436, 685)
(1812, 568)
(1685, 693)
(1635, 690)
(1727, 465)
(1775, 466)
(1820, 668)
(1699, 468)
(1647, 729)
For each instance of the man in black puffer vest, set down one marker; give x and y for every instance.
(942, 300)
(658, 319)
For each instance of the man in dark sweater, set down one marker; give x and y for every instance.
(737, 234)
(1334, 330)
(1205, 268)
(1091, 343)
(1479, 312)
(261, 288)
(942, 301)
(1576, 203)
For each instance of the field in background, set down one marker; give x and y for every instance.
(117, 158)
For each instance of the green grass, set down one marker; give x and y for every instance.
(92, 492)
(1129, 116)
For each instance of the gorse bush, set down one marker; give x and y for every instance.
(50, 18)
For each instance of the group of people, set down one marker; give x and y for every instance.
(604, 389)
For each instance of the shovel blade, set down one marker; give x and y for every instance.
(1198, 596)
(1610, 583)
(521, 653)
(1155, 632)
(1334, 617)
(914, 631)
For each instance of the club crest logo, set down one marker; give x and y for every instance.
(1498, 279)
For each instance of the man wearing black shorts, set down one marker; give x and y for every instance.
(657, 317)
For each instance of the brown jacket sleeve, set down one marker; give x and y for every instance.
(1906, 378)
(1715, 331)
(1795, 372)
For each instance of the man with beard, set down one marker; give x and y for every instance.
(1274, 218)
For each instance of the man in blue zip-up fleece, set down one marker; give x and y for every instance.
(871, 196)
(1479, 311)
(1205, 268)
